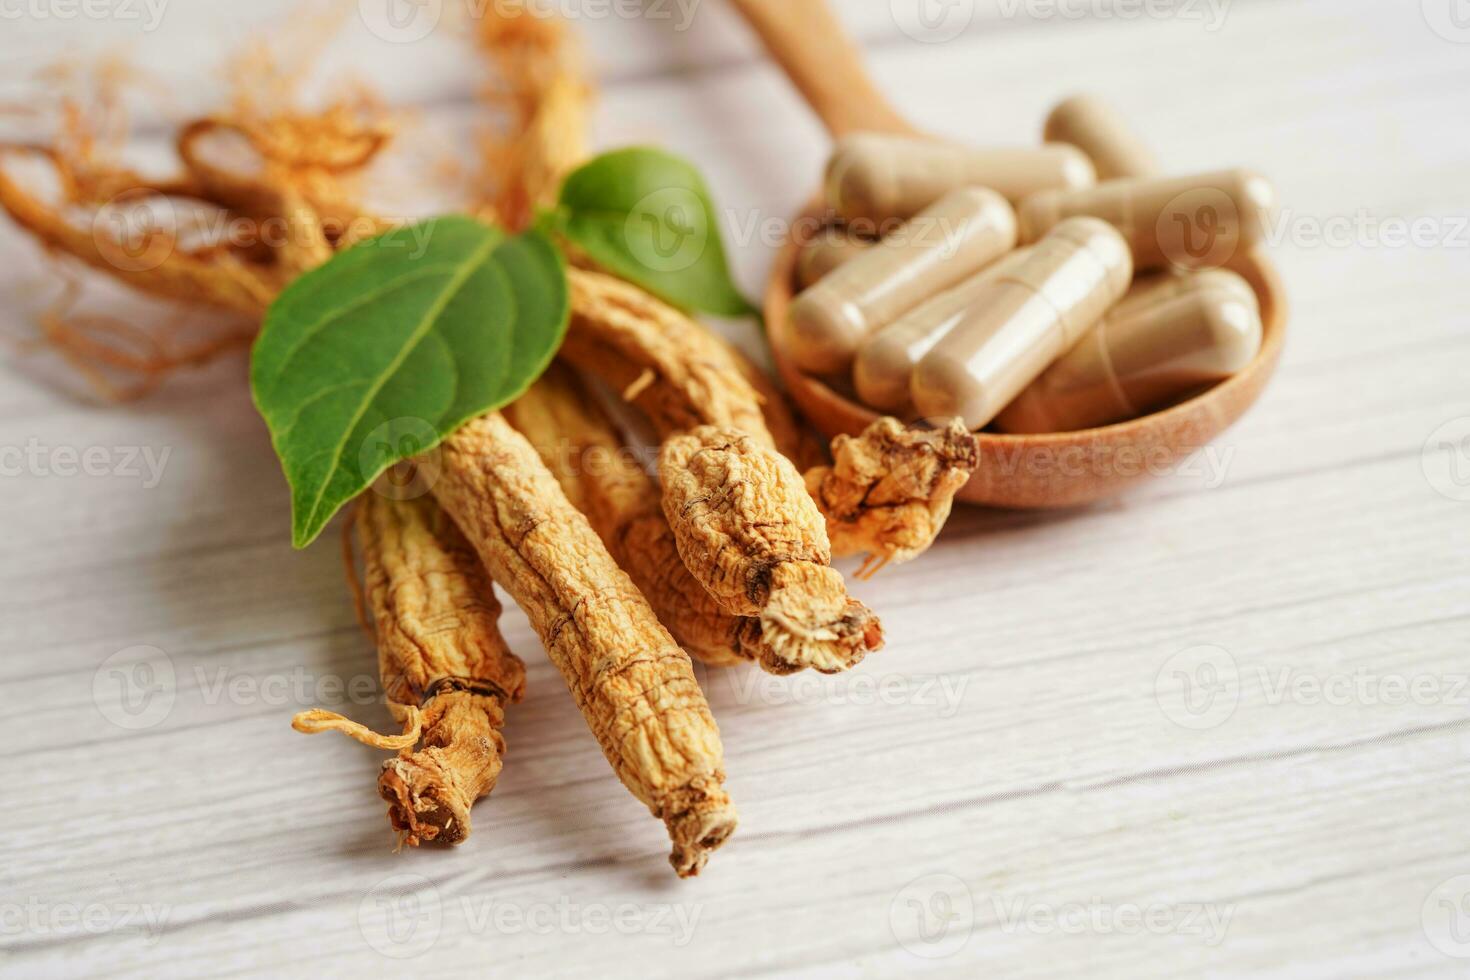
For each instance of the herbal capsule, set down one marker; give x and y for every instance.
(885, 360)
(1188, 222)
(1026, 318)
(1157, 287)
(1163, 341)
(1093, 127)
(826, 252)
(878, 178)
(941, 246)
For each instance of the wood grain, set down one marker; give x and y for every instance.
(1012, 755)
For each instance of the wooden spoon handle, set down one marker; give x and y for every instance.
(823, 63)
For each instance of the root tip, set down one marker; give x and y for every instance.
(697, 833)
(422, 805)
(807, 626)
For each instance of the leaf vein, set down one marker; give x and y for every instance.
(424, 326)
(316, 397)
(310, 333)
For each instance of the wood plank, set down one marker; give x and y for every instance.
(1015, 735)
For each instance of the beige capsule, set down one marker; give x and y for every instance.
(1026, 318)
(1092, 126)
(1194, 222)
(940, 246)
(1158, 287)
(885, 361)
(1164, 341)
(830, 249)
(879, 178)
(1118, 152)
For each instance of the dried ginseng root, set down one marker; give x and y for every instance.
(278, 164)
(156, 264)
(538, 85)
(679, 373)
(585, 451)
(682, 375)
(794, 439)
(890, 489)
(749, 531)
(632, 682)
(446, 670)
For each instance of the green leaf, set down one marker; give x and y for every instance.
(647, 216)
(394, 343)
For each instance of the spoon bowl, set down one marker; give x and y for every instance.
(1059, 469)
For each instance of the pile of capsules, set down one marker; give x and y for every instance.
(1031, 290)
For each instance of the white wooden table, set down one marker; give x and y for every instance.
(1019, 785)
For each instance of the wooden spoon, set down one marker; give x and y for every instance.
(1060, 469)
